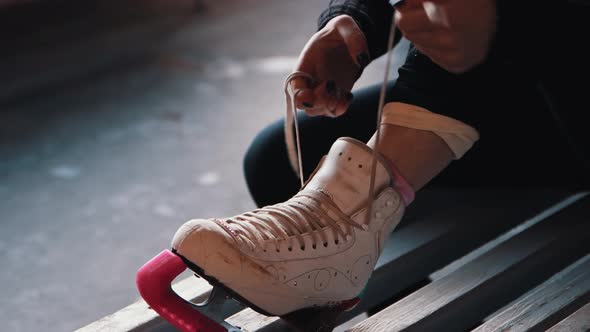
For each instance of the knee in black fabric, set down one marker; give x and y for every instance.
(268, 175)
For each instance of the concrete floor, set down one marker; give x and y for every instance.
(120, 120)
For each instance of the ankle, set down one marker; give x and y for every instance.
(418, 155)
(400, 184)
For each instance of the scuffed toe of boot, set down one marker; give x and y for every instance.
(209, 246)
(316, 249)
(215, 250)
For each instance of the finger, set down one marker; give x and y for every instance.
(436, 13)
(355, 42)
(304, 99)
(328, 96)
(302, 89)
(413, 20)
(342, 105)
(441, 39)
(314, 111)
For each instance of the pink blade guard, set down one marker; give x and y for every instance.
(154, 281)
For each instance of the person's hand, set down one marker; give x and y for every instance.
(455, 34)
(334, 57)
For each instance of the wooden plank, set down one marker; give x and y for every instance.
(461, 299)
(352, 322)
(546, 304)
(140, 317)
(127, 318)
(579, 321)
(431, 235)
(429, 242)
(502, 238)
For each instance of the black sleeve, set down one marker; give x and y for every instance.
(536, 36)
(522, 26)
(423, 83)
(527, 30)
(372, 16)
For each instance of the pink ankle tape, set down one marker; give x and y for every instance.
(401, 185)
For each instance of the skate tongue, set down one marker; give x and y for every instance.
(345, 174)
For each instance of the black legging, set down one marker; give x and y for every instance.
(520, 143)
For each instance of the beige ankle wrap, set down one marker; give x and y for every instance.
(459, 136)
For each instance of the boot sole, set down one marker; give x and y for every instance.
(346, 305)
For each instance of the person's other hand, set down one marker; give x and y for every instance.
(455, 34)
(334, 57)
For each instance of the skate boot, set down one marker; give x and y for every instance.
(314, 250)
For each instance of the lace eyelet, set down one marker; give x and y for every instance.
(314, 247)
(325, 244)
(302, 248)
(290, 249)
(336, 242)
(278, 250)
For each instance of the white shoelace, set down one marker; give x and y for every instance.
(294, 143)
(308, 211)
(305, 213)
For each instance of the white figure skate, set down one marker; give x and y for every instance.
(315, 250)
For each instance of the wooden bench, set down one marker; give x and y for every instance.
(460, 260)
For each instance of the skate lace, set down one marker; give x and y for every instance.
(304, 213)
(307, 213)
(293, 142)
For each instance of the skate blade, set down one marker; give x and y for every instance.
(313, 319)
(336, 307)
(154, 281)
